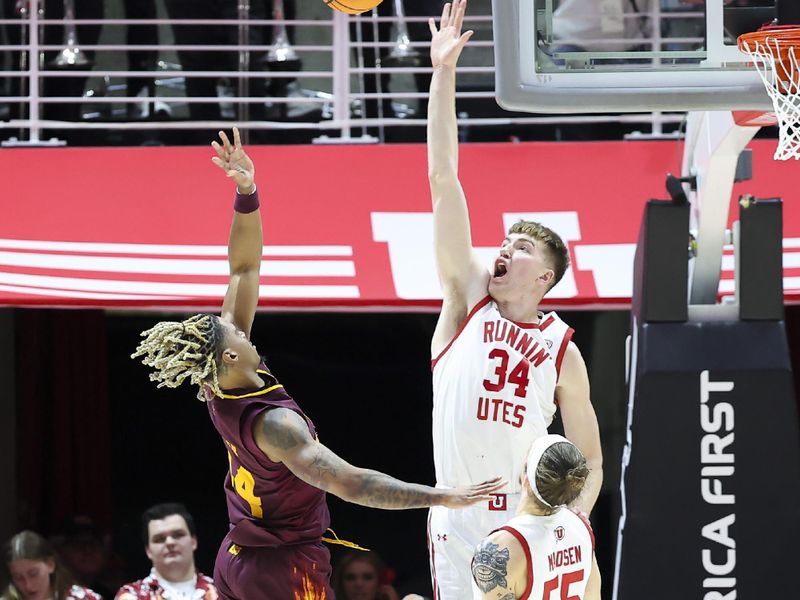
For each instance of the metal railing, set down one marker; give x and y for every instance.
(329, 79)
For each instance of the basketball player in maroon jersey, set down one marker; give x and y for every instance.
(279, 471)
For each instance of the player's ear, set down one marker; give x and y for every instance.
(547, 277)
(230, 356)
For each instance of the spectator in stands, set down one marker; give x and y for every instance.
(36, 573)
(85, 552)
(206, 60)
(170, 539)
(417, 31)
(580, 25)
(141, 60)
(363, 576)
(55, 35)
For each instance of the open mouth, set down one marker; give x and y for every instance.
(500, 269)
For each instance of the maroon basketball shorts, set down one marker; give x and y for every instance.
(273, 573)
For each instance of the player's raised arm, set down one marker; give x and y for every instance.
(283, 436)
(246, 238)
(580, 422)
(461, 273)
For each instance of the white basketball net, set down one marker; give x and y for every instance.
(785, 94)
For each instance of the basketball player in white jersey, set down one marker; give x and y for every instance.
(500, 367)
(546, 551)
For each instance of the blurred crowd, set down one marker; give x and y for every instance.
(270, 69)
(79, 563)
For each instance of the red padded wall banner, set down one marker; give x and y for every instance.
(344, 226)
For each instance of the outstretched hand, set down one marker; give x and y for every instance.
(232, 159)
(462, 497)
(448, 41)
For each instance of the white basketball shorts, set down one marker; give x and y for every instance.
(453, 536)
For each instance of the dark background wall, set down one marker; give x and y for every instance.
(363, 378)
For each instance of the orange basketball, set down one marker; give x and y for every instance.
(352, 7)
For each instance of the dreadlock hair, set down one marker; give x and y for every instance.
(561, 474)
(556, 248)
(190, 349)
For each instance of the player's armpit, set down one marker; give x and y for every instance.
(456, 305)
(580, 422)
(499, 567)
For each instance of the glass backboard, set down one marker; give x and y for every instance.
(590, 56)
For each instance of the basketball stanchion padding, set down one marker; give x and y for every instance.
(775, 53)
(709, 483)
(661, 262)
(760, 259)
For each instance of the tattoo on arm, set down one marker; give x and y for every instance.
(509, 596)
(379, 490)
(278, 431)
(490, 567)
(323, 467)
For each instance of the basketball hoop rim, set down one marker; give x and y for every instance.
(775, 52)
(758, 42)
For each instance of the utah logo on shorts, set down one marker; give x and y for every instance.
(498, 502)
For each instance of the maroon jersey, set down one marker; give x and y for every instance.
(267, 504)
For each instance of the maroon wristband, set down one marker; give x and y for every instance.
(246, 203)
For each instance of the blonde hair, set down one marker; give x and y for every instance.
(180, 350)
(27, 545)
(556, 248)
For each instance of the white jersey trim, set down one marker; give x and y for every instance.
(562, 350)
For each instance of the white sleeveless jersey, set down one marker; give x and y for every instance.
(558, 549)
(493, 395)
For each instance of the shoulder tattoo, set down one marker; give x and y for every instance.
(490, 566)
(278, 430)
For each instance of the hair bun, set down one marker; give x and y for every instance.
(579, 473)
